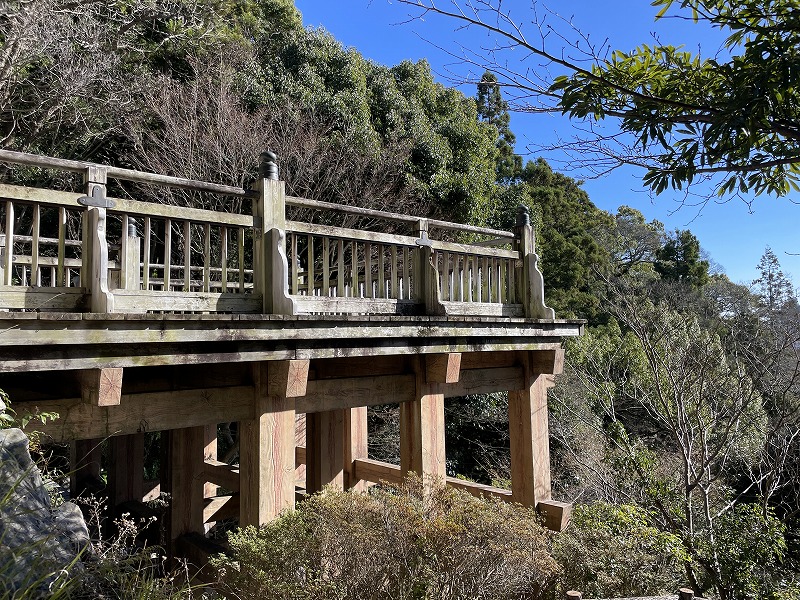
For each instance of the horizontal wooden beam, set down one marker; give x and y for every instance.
(220, 508)
(173, 409)
(299, 455)
(375, 471)
(479, 489)
(556, 514)
(222, 474)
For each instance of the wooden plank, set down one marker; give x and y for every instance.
(101, 387)
(369, 292)
(483, 309)
(141, 301)
(406, 276)
(240, 257)
(487, 360)
(381, 272)
(326, 266)
(549, 361)
(529, 437)
(295, 266)
(340, 289)
(393, 290)
(556, 514)
(325, 450)
(361, 366)
(267, 455)
(367, 469)
(220, 508)
(42, 298)
(209, 455)
(62, 236)
(288, 378)
(369, 306)
(86, 456)
(442, 368)
(354, 291)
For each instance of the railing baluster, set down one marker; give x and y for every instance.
(295, 265)
(52, 275)
(354, 270)
(146, 255)
(340, 291)
(485, 280)
(8, 257)
(464, 288)
(223, 233)
(62, 237)
(381, 271)
(393, 291)
(310, 271)
(36, 278)
(512, 284)
(503, 295)
(167, 253)
(326, 266)
(207, 258)
(187, 256)
(406, 274)
(444, 276)
(241, 259)
(368, 291)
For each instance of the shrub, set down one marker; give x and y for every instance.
(394, 543)
(612, 551)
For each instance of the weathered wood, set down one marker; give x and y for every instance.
(221, 474)
(186, 447)
(442, 368)
(141, 301)
(207, 257)
(8, 256)
(288, 378)
(367, 469)
(102, 387)
(325, 450)
(167, 279)
(478, 489)
(267, 455)
(85, 462)
(556, 514)
(36, 277)
(355, 445)
(187, 256)
(145, 256)
(332, 394)
(531, 285)
(42, 298)
(383, 306)
(126, 469)
(529, 437)
(422, 447)
(549, 361)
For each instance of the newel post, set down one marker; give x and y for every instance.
(529, 278)
(95, 245)
(426, 275)
(270, 264)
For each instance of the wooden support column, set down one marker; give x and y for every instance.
(126, 468)
(422, 429)
(267, 444)
(85, 457)
(355, 446)
(325, 450)
(529, 430)
(209, 454)
(186, 465)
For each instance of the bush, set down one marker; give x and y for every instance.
(612, 551)
(394, 543)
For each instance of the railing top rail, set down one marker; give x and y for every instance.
(77, 166)
(396, 217)
(34, 160)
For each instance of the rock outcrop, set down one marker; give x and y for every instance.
(38, 544)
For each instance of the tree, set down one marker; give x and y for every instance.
(679, 260)
(730, 118)
(772, 286)
(493, 109)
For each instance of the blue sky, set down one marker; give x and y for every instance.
(734, 234)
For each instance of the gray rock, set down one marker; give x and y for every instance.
(37, 544)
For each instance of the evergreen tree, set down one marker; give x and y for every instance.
(493, 109)
(679, 260)
(772, 286)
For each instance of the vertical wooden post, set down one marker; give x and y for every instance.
(267, 454)
(325, 450)
(96, 244)
(270, 263)
(529, 279)
(422, 430)
(186, 447)
(529, 429)
(209, 453)
(130, 250)
(355, 445)
(85, 457)
(126, 468)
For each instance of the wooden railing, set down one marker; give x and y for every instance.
(60, 252)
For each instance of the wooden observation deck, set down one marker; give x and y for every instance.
(128, 317)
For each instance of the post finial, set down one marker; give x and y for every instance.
(268, 165)
(523, 216)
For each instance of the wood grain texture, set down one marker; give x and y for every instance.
(325, 450)
(126, 469)
(102, 387)
(288, 378)
(442, 368)
(422, 444)
(186, 447)
(355, 446)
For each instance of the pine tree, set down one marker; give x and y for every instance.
(772, 286)
(494, 110)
